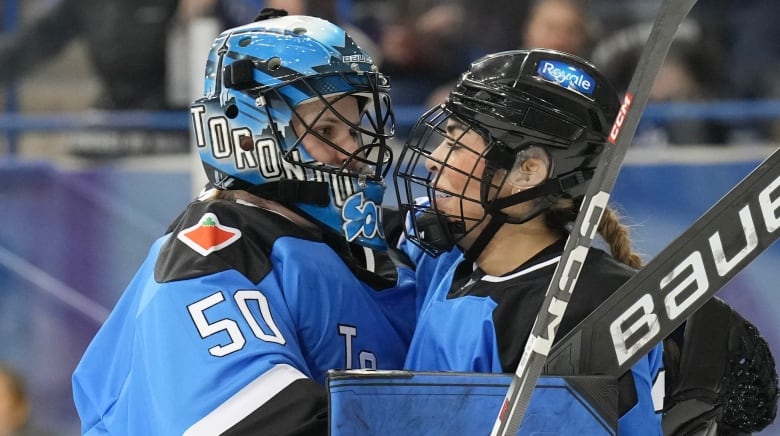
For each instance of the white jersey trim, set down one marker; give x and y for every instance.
(370, 261)
(658, 391)
(245, 401)
(538, 266)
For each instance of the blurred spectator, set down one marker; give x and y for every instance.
(683, 78)
(237, 12)
(423, 47)
(563, 25)
(15, 408)
(739, 42)
(749, 36)
(748, 33)
(125, 40)
(233, 13)
(126, 44)
(689, 74)
(745, 33)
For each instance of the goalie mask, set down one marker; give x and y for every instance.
(296, 112)
(465, 157)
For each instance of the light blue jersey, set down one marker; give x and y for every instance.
(234, 317)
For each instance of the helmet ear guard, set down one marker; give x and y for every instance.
(531, 167)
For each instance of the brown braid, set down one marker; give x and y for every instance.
(616, 235)
(610, 228)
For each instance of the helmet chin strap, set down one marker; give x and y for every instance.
(548, 188)
(545, 193)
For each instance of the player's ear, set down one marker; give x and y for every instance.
(531, 167)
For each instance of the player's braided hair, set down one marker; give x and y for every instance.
(564, 211)
(616, 235)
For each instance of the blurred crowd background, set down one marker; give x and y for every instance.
(107, 55)
(94, 143)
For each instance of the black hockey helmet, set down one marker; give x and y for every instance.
(515, 101)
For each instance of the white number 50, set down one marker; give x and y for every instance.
(237, 340)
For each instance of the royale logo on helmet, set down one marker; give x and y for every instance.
(566, 75)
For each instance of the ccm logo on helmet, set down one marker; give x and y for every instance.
(689, 279)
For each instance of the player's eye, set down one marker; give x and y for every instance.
(324, 131)
(452, 144)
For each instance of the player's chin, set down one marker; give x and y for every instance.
(446, 205)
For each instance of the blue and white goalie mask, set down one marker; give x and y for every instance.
(296, 112)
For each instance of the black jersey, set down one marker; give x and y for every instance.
(475, 322)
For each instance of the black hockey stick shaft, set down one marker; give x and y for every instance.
(678, 281)
(538, 345)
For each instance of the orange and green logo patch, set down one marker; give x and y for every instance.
(209, 235)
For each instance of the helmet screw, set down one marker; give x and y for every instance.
(274, 63)
(246, 143)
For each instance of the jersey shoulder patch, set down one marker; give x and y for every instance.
(219, 235)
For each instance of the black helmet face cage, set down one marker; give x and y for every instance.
(513, 100)
(368, 155)
(444, 164)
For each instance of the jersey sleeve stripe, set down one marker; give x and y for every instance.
(245, 401)
(545, 264)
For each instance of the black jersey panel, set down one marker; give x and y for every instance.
(520, 295)
(248, 254)
(301, 409)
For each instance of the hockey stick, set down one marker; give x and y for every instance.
(678, 281)
(670, 15)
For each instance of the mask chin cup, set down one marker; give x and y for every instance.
(437, 232)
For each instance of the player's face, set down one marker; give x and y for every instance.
(325, 136)
(457, 165)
